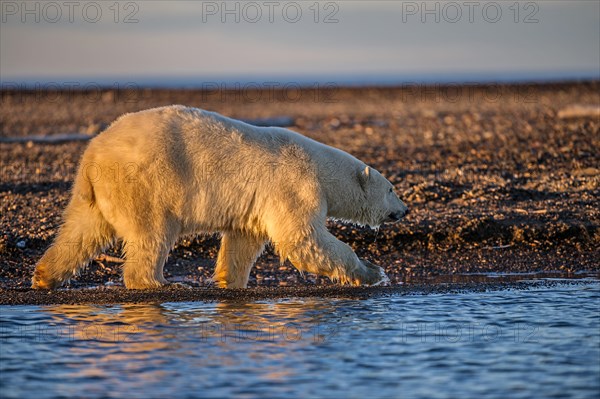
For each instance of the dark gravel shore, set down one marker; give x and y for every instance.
(21, 296)
(498, 178)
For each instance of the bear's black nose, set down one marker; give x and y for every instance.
(395, 216)
(406, 212)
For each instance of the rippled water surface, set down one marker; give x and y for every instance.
(541, 343)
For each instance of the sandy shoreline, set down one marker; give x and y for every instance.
(498, 178)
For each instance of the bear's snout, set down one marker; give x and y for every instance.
(396, 216)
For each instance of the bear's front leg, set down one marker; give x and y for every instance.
(376, 270)
(237, 254)
(324, 254)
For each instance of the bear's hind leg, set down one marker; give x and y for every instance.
(145, 259)
(82, 236)
(237, 254)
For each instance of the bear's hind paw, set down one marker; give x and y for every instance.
(42, 279)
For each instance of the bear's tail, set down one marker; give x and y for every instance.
(83, 234)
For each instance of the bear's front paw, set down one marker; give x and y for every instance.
(179, 285)
(374, 275)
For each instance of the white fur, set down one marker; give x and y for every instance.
(155, 175)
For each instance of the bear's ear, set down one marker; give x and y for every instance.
(363, 177)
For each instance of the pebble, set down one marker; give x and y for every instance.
(421, 150)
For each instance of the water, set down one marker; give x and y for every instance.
(293, 82)
(542, 342)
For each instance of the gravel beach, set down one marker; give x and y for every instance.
(498, 178)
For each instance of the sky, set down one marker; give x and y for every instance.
(180, 42)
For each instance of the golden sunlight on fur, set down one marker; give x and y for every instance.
(156, 175)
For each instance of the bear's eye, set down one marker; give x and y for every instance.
(391, 190)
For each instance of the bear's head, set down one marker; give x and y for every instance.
(381, 202)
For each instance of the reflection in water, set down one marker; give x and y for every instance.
(540, 342)
(140, 338)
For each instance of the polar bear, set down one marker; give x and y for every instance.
(155, 175)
